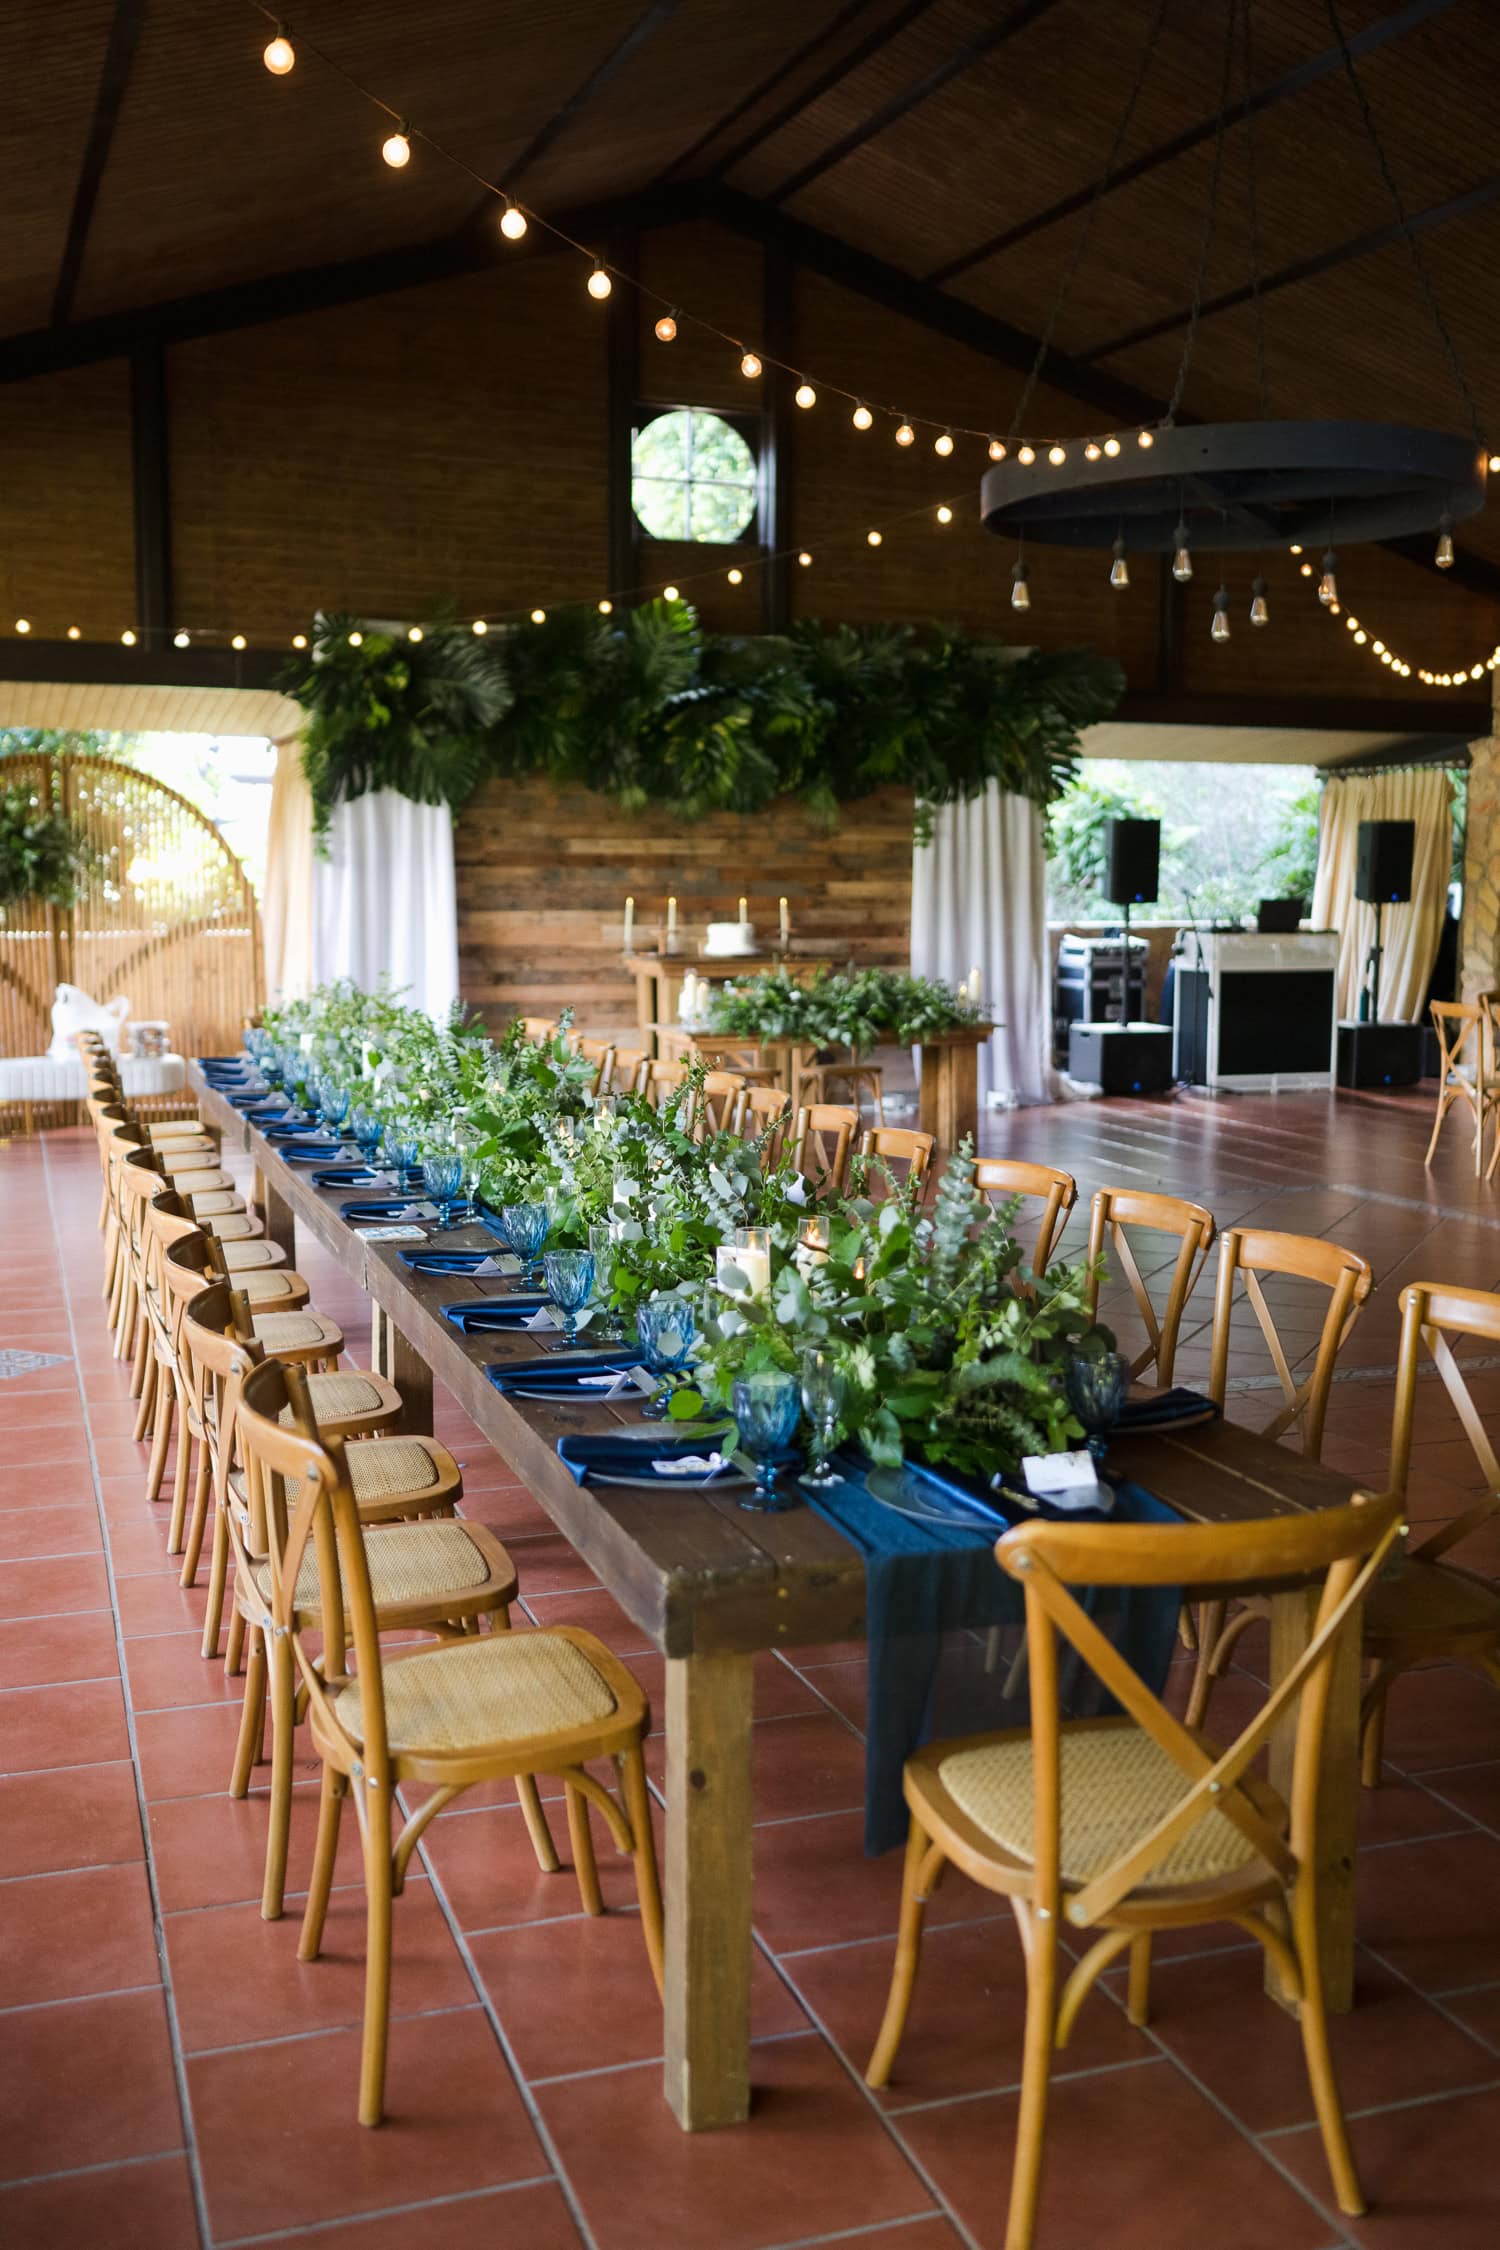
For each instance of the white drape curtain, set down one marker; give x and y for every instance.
(1409, 933)
(383, 900)
(287, 893)
(979, 900)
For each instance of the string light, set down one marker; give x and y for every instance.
(750, 366)
(127, 638)
(874, 538)
(75, 633)
(735, 577)
(1304, 570)
(539, 617)
(997, 449)
(945, 513)
(666, 329)
(238, 641)
(1020, 585)
(1494, 463)
(905, 434)
(1219, 630)
(1056, 454)
(1111, 446)
(943, 443)
(356, 640)
(396, 148)
(280, 55)
(512, 221)
(480, 627)
(414, 632)
(668, 594)
(299, 640)
(805, 559)
(1294, 549)
(1396, 663)
(1025, 454)
(1091, 451)
(1260, 613)
(862, 417)
(606, 608)
(179, 640)
(1145, 440)
(600, 284)
(23, 624)
(1119, 569)
(805, 395)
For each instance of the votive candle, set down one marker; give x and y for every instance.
(812, 1246)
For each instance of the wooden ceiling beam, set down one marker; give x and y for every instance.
(826, 80)
(646, 25)
(1364, 245)
(1019, 18)
(152, 663)
(1265, 97)
(114, 76)
(1457, 718)
(747, 103)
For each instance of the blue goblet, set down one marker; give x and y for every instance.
(442, 1177)
(367, 1125)
(334, 1103)
(527, 1226)
(570, 1283)
(1096, 1390)
(766, 1410)
(666, 1328)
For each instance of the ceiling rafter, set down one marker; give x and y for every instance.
(1303, 269)
(826, 80)
(1019, 18)
(646, 25)
(784, 70)
(1193, 136)
(114, 76)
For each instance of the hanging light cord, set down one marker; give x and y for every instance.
(1210, 222)
(1398, 205)
(1252, 217)
(1082, 238)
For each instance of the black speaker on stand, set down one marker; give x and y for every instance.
(1132, 851)
(1126, 1058)
(1382, 877)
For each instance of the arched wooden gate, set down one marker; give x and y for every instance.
(167, 916)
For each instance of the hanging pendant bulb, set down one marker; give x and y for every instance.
(599, 284)
(1328, 584)
(805, 396)
(905, 434)
(997, 449)
(1220, 626)
(861, 417)
(943, 443)
(1119, 569)
(666, 329)
(1444, 556)
(396, 148)
(512, 222)
(1020, 585)
(280, 56)
(1182, 561)
(1259, 611)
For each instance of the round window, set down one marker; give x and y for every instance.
(692, 477)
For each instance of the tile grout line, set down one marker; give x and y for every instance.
(158, 1919)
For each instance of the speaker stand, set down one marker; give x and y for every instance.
(1369, 998)
(1125, 978)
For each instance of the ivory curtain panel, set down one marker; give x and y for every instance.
(1410, 933)
(979, 900)
(286, 907)
(383, 901)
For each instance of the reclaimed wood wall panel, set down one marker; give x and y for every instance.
(543, 875)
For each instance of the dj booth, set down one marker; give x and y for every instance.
(1256, 1013)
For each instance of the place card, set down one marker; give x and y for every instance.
(1065, 1480)
(419, 1211)
(488, 1267)
(391, 1234)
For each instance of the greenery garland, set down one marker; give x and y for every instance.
(858, 1008)
(649, 708)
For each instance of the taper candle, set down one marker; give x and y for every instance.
(744, 910)
(671, 917)
(786, 923)
(629, 923)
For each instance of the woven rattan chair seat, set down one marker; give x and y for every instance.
(504, 1689)
(409, 1562)
(396, 1468)
(248, 1256)
(1116, 1784)
(268, 1283)
(225, 1218)
(335, 1397)
(293, 1331)
(199, 1182)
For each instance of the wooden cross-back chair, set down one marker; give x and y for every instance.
(1001, 1179)
(599, 1052)
(750, 1059)
(892, 1146)
(540, 1030)
(763, 1115)
(718, 1105)
(660, 1081)
(432, 1577)
(1431, 1607)
(1245, 1254)
(192, 1163)
(1113, 1213)
(821, 1143)
(1466, 1068)
(625, 1071)
(1122, 1826)
(217, 1342)
(845, 1077)
(464, 1712)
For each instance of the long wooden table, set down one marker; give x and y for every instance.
(712, 1585)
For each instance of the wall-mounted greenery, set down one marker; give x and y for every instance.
(43, 854)
(649, 708)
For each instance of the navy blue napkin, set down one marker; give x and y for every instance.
(311, 1152)
(1161, 1410)
(632, 1457)
(923, 1580)
(451, 1261)
(489, 1315)
(361, 1213)
(559, 1376)
(345, 1175)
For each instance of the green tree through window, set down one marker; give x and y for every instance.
(692, 477)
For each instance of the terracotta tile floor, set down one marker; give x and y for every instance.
(170, 2074)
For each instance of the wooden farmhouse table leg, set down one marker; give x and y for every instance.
(708, 1943)
(277, 1215)
(950, 1092)
(409, 1371)
(1292, 1617)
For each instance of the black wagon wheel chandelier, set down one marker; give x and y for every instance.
(1234, 487)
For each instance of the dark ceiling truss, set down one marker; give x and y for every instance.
(114, 76)
(646, 25)
(787, 68)
(1017, 19)
(1296, 81)
(824, 83)
(1305, 269)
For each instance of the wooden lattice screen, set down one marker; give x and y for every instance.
(168, 917)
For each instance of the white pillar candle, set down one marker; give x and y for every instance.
(671, 917)
(974, 986)
(786, 923)
(749, 1257)
(629, 923)
(744, 910)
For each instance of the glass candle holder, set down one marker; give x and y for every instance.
(745, 1269)
(812, 1246)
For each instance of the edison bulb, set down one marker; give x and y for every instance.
(1328, 584)
(1119, 569)
(512, 223)
(23, 624)
(356, 640)
(1056, 454)
(1294, 548)
(804, 558)
(943, 443)
(1260, 613)
(1111, 446)
(396, 150)
(480, 626)
(945, 514)
(179, 640)
(905, 434)
(874, 538)
(127, 638)
(414, 632)
(805, 395)
(75, 633)
(1304, 570)
(1220, 627)
(280, 55)
(1444, 556)
(735, 577)
(539, 617)
(600, 284)
(666, 329)
(750, 366)
(299, 640)
(1020, 587)
(997, 449)
(668, 594)
(1182, 560)
(861, 417)
(1025, 454)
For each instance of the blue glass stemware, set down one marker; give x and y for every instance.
(666, 1328)
(527, 1226)
(570, 1283)
(1096, 1390)
(367, 1125)
(442, 1177)
(766, 1408)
